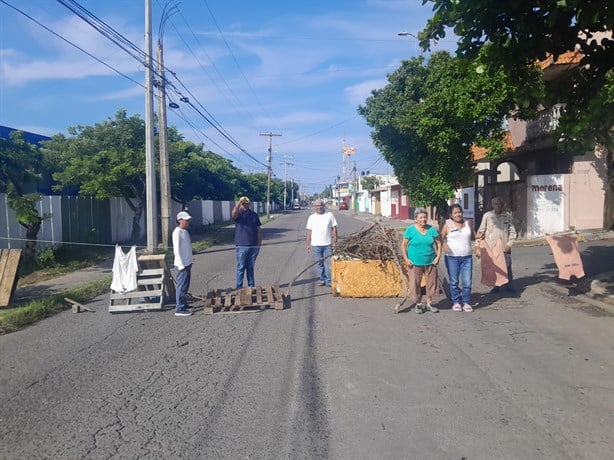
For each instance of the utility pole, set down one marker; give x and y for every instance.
(355, 188)
(165, 189)
(150, 180)
(286, 164)
(270, 171)
(165, 181)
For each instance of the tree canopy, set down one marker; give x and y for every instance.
(20, 164)
(427, 118)
(108, 160)
(514, 35)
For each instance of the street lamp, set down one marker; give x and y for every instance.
(407, 34)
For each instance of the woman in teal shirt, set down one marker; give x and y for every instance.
(421, 249)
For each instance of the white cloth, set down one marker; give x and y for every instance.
(182, 248)
(321, 226)
(125, 268)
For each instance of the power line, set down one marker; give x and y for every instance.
(71, 43)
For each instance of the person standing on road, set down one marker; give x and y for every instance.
(457, 234)
(182, 249)
(248, 239)
(496, 226)
(322, 239)
(421, 249)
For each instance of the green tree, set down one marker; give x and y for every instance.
(200, 174)
(105, 160)
(513, 35)
(19, 168)
(369, 182)
(427, 118)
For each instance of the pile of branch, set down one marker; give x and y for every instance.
(372, 243)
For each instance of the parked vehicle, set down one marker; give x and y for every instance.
(343, 206)
(296, 206)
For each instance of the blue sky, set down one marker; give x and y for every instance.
(296, 68)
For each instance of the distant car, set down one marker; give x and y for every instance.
(343, 206)
(296, 206)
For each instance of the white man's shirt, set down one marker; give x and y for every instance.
(321, 226)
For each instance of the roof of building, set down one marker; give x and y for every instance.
(29, 137)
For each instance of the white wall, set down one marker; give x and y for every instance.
(546, 204)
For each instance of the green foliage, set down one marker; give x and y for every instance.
(46, 257)
(513, 35)
(369, 183)
(199, 174)
(20, 164)
(429, 116)
(14, 319)
(105, 160)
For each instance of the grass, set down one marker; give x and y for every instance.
(17, 318)
(67, 260)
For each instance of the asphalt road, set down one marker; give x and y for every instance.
(530, 376)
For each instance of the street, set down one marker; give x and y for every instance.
(523, 377)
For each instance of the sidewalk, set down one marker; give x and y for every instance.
(598, 285)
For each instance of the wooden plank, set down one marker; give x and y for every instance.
(269, 295)
(245, 297)
(259, 295)
(278, 299)
(9, 267)
(76, 306)
(140, 306)
(153, 261)
(137, 294)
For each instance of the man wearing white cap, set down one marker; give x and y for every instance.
(182, 248)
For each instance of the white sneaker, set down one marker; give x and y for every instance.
(184, 313)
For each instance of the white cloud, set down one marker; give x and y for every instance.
(357, 94)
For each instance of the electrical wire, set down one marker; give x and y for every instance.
(71, 43)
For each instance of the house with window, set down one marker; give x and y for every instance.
(545, 190)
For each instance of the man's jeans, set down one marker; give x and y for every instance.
(183, 283)
(246, 260)
(460, 267)
(323, 267)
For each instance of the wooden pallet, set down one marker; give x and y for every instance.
(148, 296)
(244, 300)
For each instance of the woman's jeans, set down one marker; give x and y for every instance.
(460, 268)
(323, 266)
(246, 260)
(183, 284)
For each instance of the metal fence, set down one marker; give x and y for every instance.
(88, 221)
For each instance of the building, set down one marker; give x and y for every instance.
(546, 191)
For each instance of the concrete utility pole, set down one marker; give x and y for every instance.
(270, 171)
(150, 179)
(165, 181)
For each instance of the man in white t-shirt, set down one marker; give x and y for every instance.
(322, 239)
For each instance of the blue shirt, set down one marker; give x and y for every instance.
(421, 248)
(246, 228)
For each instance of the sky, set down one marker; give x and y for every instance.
(297, 69)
